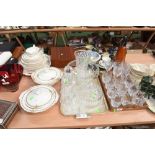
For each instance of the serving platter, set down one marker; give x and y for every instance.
(38, 98)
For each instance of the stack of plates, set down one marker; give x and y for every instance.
(152, 68)
(47, 76)
(137, 71)
(151, 104)
(34, 59)
(143, 69)
(38, 98)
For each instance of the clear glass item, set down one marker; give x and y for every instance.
(117, 69)
(138, 99)
(112, 93)
(125, 100)
(107, 76)
(106, 63)
(68, 76)
(116, 102)
(86, 56)
(120, 87)
(125, 69)
(133, 91)
(82, 92)
(128, 83)
(110, 85)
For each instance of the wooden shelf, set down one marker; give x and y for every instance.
(86, 29)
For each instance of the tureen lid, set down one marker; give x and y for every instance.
(32, 50)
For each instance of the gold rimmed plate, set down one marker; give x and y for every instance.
(38, 98)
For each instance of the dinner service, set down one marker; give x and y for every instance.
(33, 59)
(137, 71)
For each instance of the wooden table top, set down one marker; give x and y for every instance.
(53, 118)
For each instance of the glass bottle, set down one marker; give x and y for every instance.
(121, 54)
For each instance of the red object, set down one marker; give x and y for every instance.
(10, 74)
(121, 54)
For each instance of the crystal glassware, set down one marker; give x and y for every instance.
(138, 99)
(116, 102)
(117, 69)
(125, 100)
(112, 93)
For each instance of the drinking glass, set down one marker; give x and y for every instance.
(106, 77)
(116, 102)
(125, 100)
(125, 69)
(112, 93)
(138, 99)
(121, 90)
(117, 69)
(132, 91)
(107, 64)
(128, 83)
(117, 82)
(110, 84)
